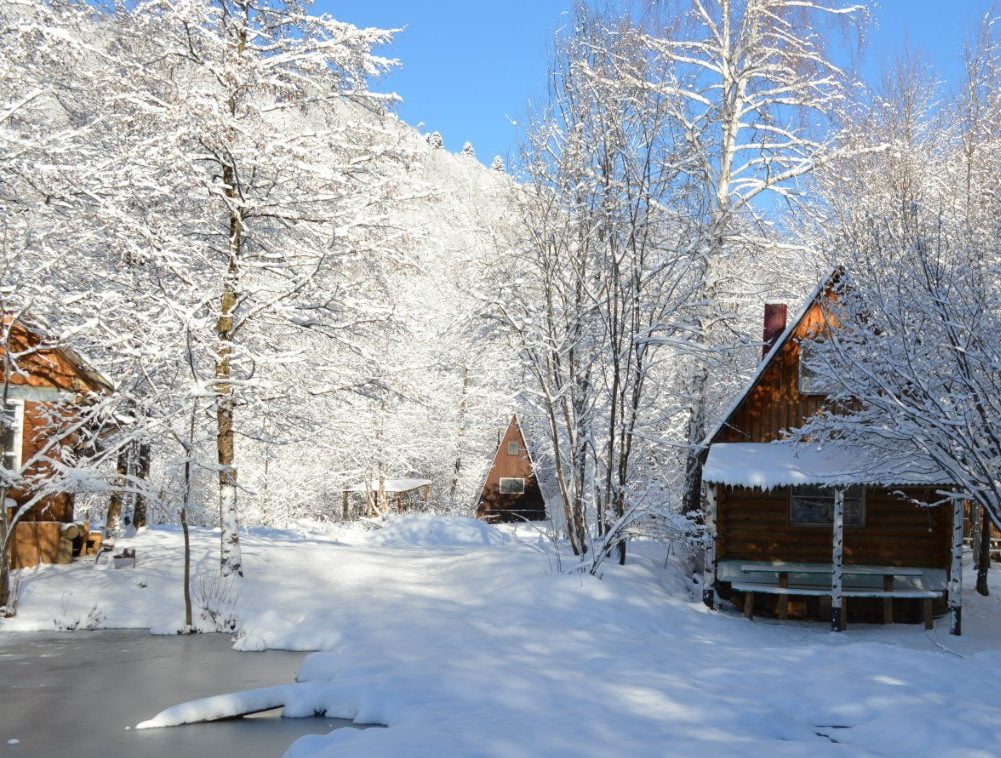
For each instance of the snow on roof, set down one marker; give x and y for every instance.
(389, 485)
(767, 465)
(779, 343)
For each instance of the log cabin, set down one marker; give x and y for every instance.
(511, 491)
(799, 529)
(44, 381)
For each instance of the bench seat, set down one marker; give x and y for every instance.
(773, 589)
(785, 580)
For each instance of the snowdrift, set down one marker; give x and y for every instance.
(438, 532)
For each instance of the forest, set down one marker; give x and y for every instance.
(291, 290)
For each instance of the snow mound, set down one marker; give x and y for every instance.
(438, 531)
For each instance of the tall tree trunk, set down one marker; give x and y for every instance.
(141, 473)
(188, 452)
(230, 559)
(5, 605)
(692, 496)
(461, 433)
(983, 555)
(113, 524)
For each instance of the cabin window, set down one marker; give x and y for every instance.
(512, 485)
(12, 424)
(812, 382)
(513, 448)
(814, 506)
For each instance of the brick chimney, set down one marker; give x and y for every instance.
(775, 324)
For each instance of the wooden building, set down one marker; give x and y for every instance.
(379, 497)
(47, 384)
(511, 491)
(809, 530)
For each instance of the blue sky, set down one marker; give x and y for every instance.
(470, 66)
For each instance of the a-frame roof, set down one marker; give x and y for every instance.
(497, 453)
(822, 288)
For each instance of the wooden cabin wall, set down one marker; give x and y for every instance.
(46, 370)
(754, 525)
(493, 506)
(775, 404)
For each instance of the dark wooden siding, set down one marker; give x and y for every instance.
(775, 404)
(494, 506)
(754, 525)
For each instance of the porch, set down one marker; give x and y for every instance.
(823, 528)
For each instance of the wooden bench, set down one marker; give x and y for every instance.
(748, 581)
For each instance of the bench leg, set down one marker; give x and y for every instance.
(929, 619)
(782, 607)
(888, 601)
(748, 604)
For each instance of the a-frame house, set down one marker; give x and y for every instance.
(511, 491)
(802, 529)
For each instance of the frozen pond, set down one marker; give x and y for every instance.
(81, 694)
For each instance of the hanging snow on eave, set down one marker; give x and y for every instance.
(768, 465)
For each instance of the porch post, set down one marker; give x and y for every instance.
(956, 570)
(837, 559)
(709, 569)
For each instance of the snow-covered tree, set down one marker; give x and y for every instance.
(467, 149)
(435, 141)
(751, 83)
(910, 355)
(601, 278)
(497, 164)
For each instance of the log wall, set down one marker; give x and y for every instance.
(755, 525)
(775, 404)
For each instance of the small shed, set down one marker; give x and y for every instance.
(378, 497)
(797, 528)
(511, 491)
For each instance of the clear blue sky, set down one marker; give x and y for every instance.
(470, 66)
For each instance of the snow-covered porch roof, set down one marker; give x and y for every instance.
(767, 465)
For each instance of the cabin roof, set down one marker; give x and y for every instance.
(83, 367)
(787, 333)
(389, 485)
(768, 465)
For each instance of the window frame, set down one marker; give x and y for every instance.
(861, 497)
(513, 448)
(808, 345)
(500, 484)
(17, 453)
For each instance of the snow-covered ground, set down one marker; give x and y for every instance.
(465, 640)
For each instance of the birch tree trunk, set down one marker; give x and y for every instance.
(956, 571)
(230, 558)
(838, 538)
